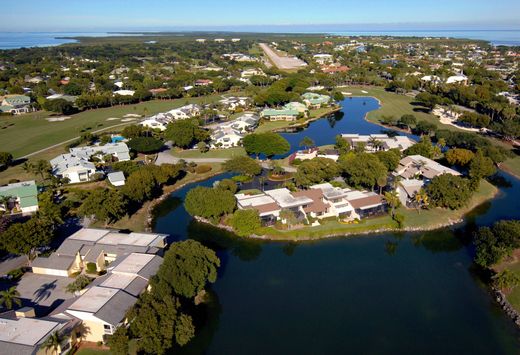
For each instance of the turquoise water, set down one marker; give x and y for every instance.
(391, 293)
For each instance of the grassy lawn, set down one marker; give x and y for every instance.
(434, 217)
(213, 153)
(512, 263)
(21, 135)
(393, 105)
(93, 352)
(512, 166)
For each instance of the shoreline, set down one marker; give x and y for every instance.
(306, 122)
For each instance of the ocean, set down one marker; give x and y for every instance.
(14, 40)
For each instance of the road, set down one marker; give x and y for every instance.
(284, 63)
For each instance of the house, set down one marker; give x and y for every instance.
(315, 100)
(103, 307)
(414, 166)
(96, 246)
(200, 40)
(219, 40)
(73, 168)
(235, 40)
(297, 106)
(226, 137)
(24, 335)
(16, 104)
(24, 196)
(309, 154)
(117, 178)
(377, 142)
(335, 68)
(68, 98)
(157, 91)
(407, 189)
(247, 122)
(323, 58)
(247, 73)
(232, 103)
(155, 123)
(283, 114)
(77, 167)
(319, 201)
(203, 82)
(124, 92)
(457, 79)
(433, 79)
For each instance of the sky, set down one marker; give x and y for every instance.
(153, 15)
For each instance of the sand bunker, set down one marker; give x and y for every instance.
(57, 119)
(113, 119)
(131, 115)
(127, 119)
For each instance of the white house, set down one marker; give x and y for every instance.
(457, 79)
(117, 178)
(124, 92)
(154, 123)
(383, 141)
(323, 58)
(226, 138)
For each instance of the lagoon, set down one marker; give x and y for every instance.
(391, 293)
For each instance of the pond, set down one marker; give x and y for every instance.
(391, 293)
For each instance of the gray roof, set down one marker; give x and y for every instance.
(70, 247)
(54, 261)
(114, 311)
(116, 176)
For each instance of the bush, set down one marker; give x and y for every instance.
(79, 284)
(245, 222)
(202, 169)
(145, 144)
(91, 268)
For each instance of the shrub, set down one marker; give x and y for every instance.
(202, 169)
(91, 268)
(245, 222)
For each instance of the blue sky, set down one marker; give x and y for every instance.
(91, 15)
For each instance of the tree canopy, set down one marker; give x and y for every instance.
(267, 143)
(245, 222)
(493, 244)
(185, 133)
(362, 170)
(243, 165)
(209, 203)
(315, 171)
(449, 191)
(145, 144)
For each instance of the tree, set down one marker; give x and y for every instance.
(307, 142)
(481, 167)
(459, 156)
(389, 158)
(392, 198)
(245, 222)
(79, 284)
(140, 186)
(315, 171)
(188, 266)
(105, 205)
(118, 342)
(289, 217)
(362, 170)
(209, 203)
(202, 147)
(132, 131)
(145, 145)
(341, 144)
(5, 200)
(506, 280)
(421, 199)
(23, 238)
(408, 121)
(53, 343)
(6, 159)
(493, 244)
(243, 165)
(267, 143)
(185, 133)
(424, 148)
(449, 191)
(10, 297)
(42, 167)
(227, 184)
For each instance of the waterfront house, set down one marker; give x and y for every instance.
(23, 197)
(378, 142)
(226, 137)
(283, 114)
(315, 100)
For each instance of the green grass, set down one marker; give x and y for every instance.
(393, 105)
(213, 153)
(21, 135)
(512, 166)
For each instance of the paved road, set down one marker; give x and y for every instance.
(286, 63)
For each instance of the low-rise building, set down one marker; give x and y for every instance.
(283, 114)
(23, 197)
(77, 167)
(99, 247)
(226, 137)
(315, 100)
(16, 104)
(378, 142)
(116, 178)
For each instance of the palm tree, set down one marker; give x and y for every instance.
(392, 198)
(381, 182)
(421, 199)
(5, 200)
(375, 143)
(10, 296)
(53, 343)
(42, 167)
(307, 142)
(27, 167)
